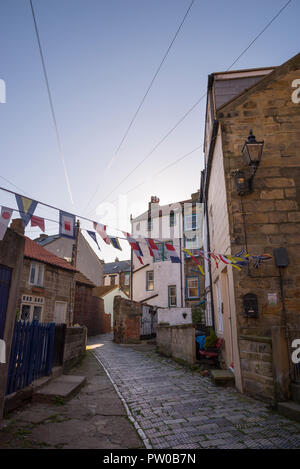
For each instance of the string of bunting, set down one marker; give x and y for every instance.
(67, 228)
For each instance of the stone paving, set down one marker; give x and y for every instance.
(178, 408)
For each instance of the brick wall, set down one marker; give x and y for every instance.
(177, 342)
(127, 320)
(75, 345)
(89, 311)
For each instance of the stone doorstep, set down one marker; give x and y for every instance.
(222, 377)
(64, 386)
(289, 409)
(19, 398)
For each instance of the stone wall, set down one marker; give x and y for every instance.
(268, 217)
(127, 320)
(58, 285)
(89, 311)
(11, 256)
(75, 345)
(177, 342)
(174, 316)
(257, 367)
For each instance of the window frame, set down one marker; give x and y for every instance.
(169, 296)
(187, 287)
(147, 280)
(40, 269)
(32, 302)
(194, 225)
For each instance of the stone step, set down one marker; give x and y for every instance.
(289, 409)
(222, 377)
(63, 387)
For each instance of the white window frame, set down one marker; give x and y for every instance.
(32, 301)
(147, 280)
(172, 296)
(39, 268)
(126, 278)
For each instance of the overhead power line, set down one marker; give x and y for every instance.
(194, 105)
(146, 94)
(51, 104)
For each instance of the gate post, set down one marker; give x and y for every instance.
(50, 348)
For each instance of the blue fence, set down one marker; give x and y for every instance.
(31, 354)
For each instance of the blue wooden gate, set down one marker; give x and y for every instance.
(5, 278)
(31, 354)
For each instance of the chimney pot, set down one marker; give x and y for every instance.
(17, 225)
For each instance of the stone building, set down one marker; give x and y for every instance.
(256, 214)
(118, 273)
(47, 287)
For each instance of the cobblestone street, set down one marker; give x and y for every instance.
(178, 408)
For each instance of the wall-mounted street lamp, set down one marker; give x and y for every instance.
(252, 152)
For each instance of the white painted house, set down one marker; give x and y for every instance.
(108, 293)
(161, 282)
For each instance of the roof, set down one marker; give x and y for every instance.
(37, 252)
(291, 64)
(43, 241)
(80, 278)
(116, 267)
(104, 290)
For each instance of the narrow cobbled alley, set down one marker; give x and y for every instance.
(177, 408)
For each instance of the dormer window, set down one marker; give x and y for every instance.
(36, 276)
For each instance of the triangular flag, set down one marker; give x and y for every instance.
(172, 253)
(38, 221)
(134, 246)
(195, 260)
(115, 242)
(67, 225)
(153, 249)
(101, 230)
(26, 208)
(5, 216)
(93, 235)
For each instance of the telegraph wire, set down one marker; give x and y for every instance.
(51, 104)
(146, 94)
(194, 105)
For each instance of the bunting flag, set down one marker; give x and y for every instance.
(6, 214)
(172, 253)
(153, 249)
(67, 225)
(101, 230)
(134, 246)
(115, 242)
(38, 221)
(94, 237)
(195, 260)
(26, 207)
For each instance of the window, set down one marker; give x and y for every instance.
(191, 222)
(149, 224)
(31, 308)
(172, 218)
(162, 252)
(192, 287)
(150, 280)
(192, 243)
(36, 275)
(126, 278)
(172, 300)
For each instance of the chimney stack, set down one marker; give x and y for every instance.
(17, 225)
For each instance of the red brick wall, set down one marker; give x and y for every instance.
(89, 311)
(127, 320)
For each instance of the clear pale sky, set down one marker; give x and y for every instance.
(100, 57)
